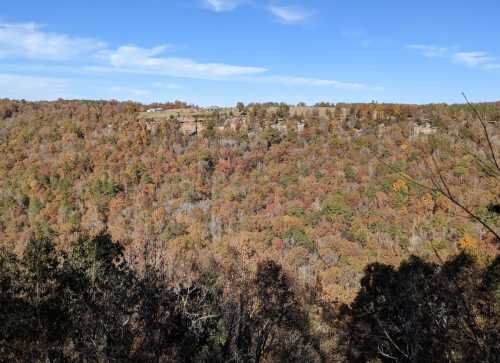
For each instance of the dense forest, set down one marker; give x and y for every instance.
(347, 232)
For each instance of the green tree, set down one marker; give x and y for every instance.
(101, 300)
(423, 312)
(240, 106)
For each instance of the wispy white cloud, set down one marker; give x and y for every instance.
(303, 81)
(223, 5)
(37, 88)
(257, 78)
(492, 66)
(164, 85)
(360, 36)
(28, 40)
(291, 15)
(129, 91)
(65, 55)
(33, 87)
(353, 33)
(473, 59)
(430, 51)
(476, 59)
(134, 59)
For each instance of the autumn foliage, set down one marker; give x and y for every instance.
(310, 195)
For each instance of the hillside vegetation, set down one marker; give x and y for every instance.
(319, 228)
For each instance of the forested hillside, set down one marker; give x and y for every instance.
(302, 218)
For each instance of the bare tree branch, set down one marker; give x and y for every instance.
(391, 341)
(444, 191)
(485, 130)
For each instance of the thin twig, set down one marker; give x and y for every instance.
(486, 133)
(385, 354)
(437, 188)
(390, 339)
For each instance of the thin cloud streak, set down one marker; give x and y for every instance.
(29, 41)
(143, 60)
(33, 87)
(474, 59)
(132, 59)
(430, 51)
(223, 5)
(313, 82)
(283, 80)
(477, 59)
(133, 92)
(290, 15)
(170, 86)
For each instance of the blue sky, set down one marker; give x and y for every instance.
(218, 52)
